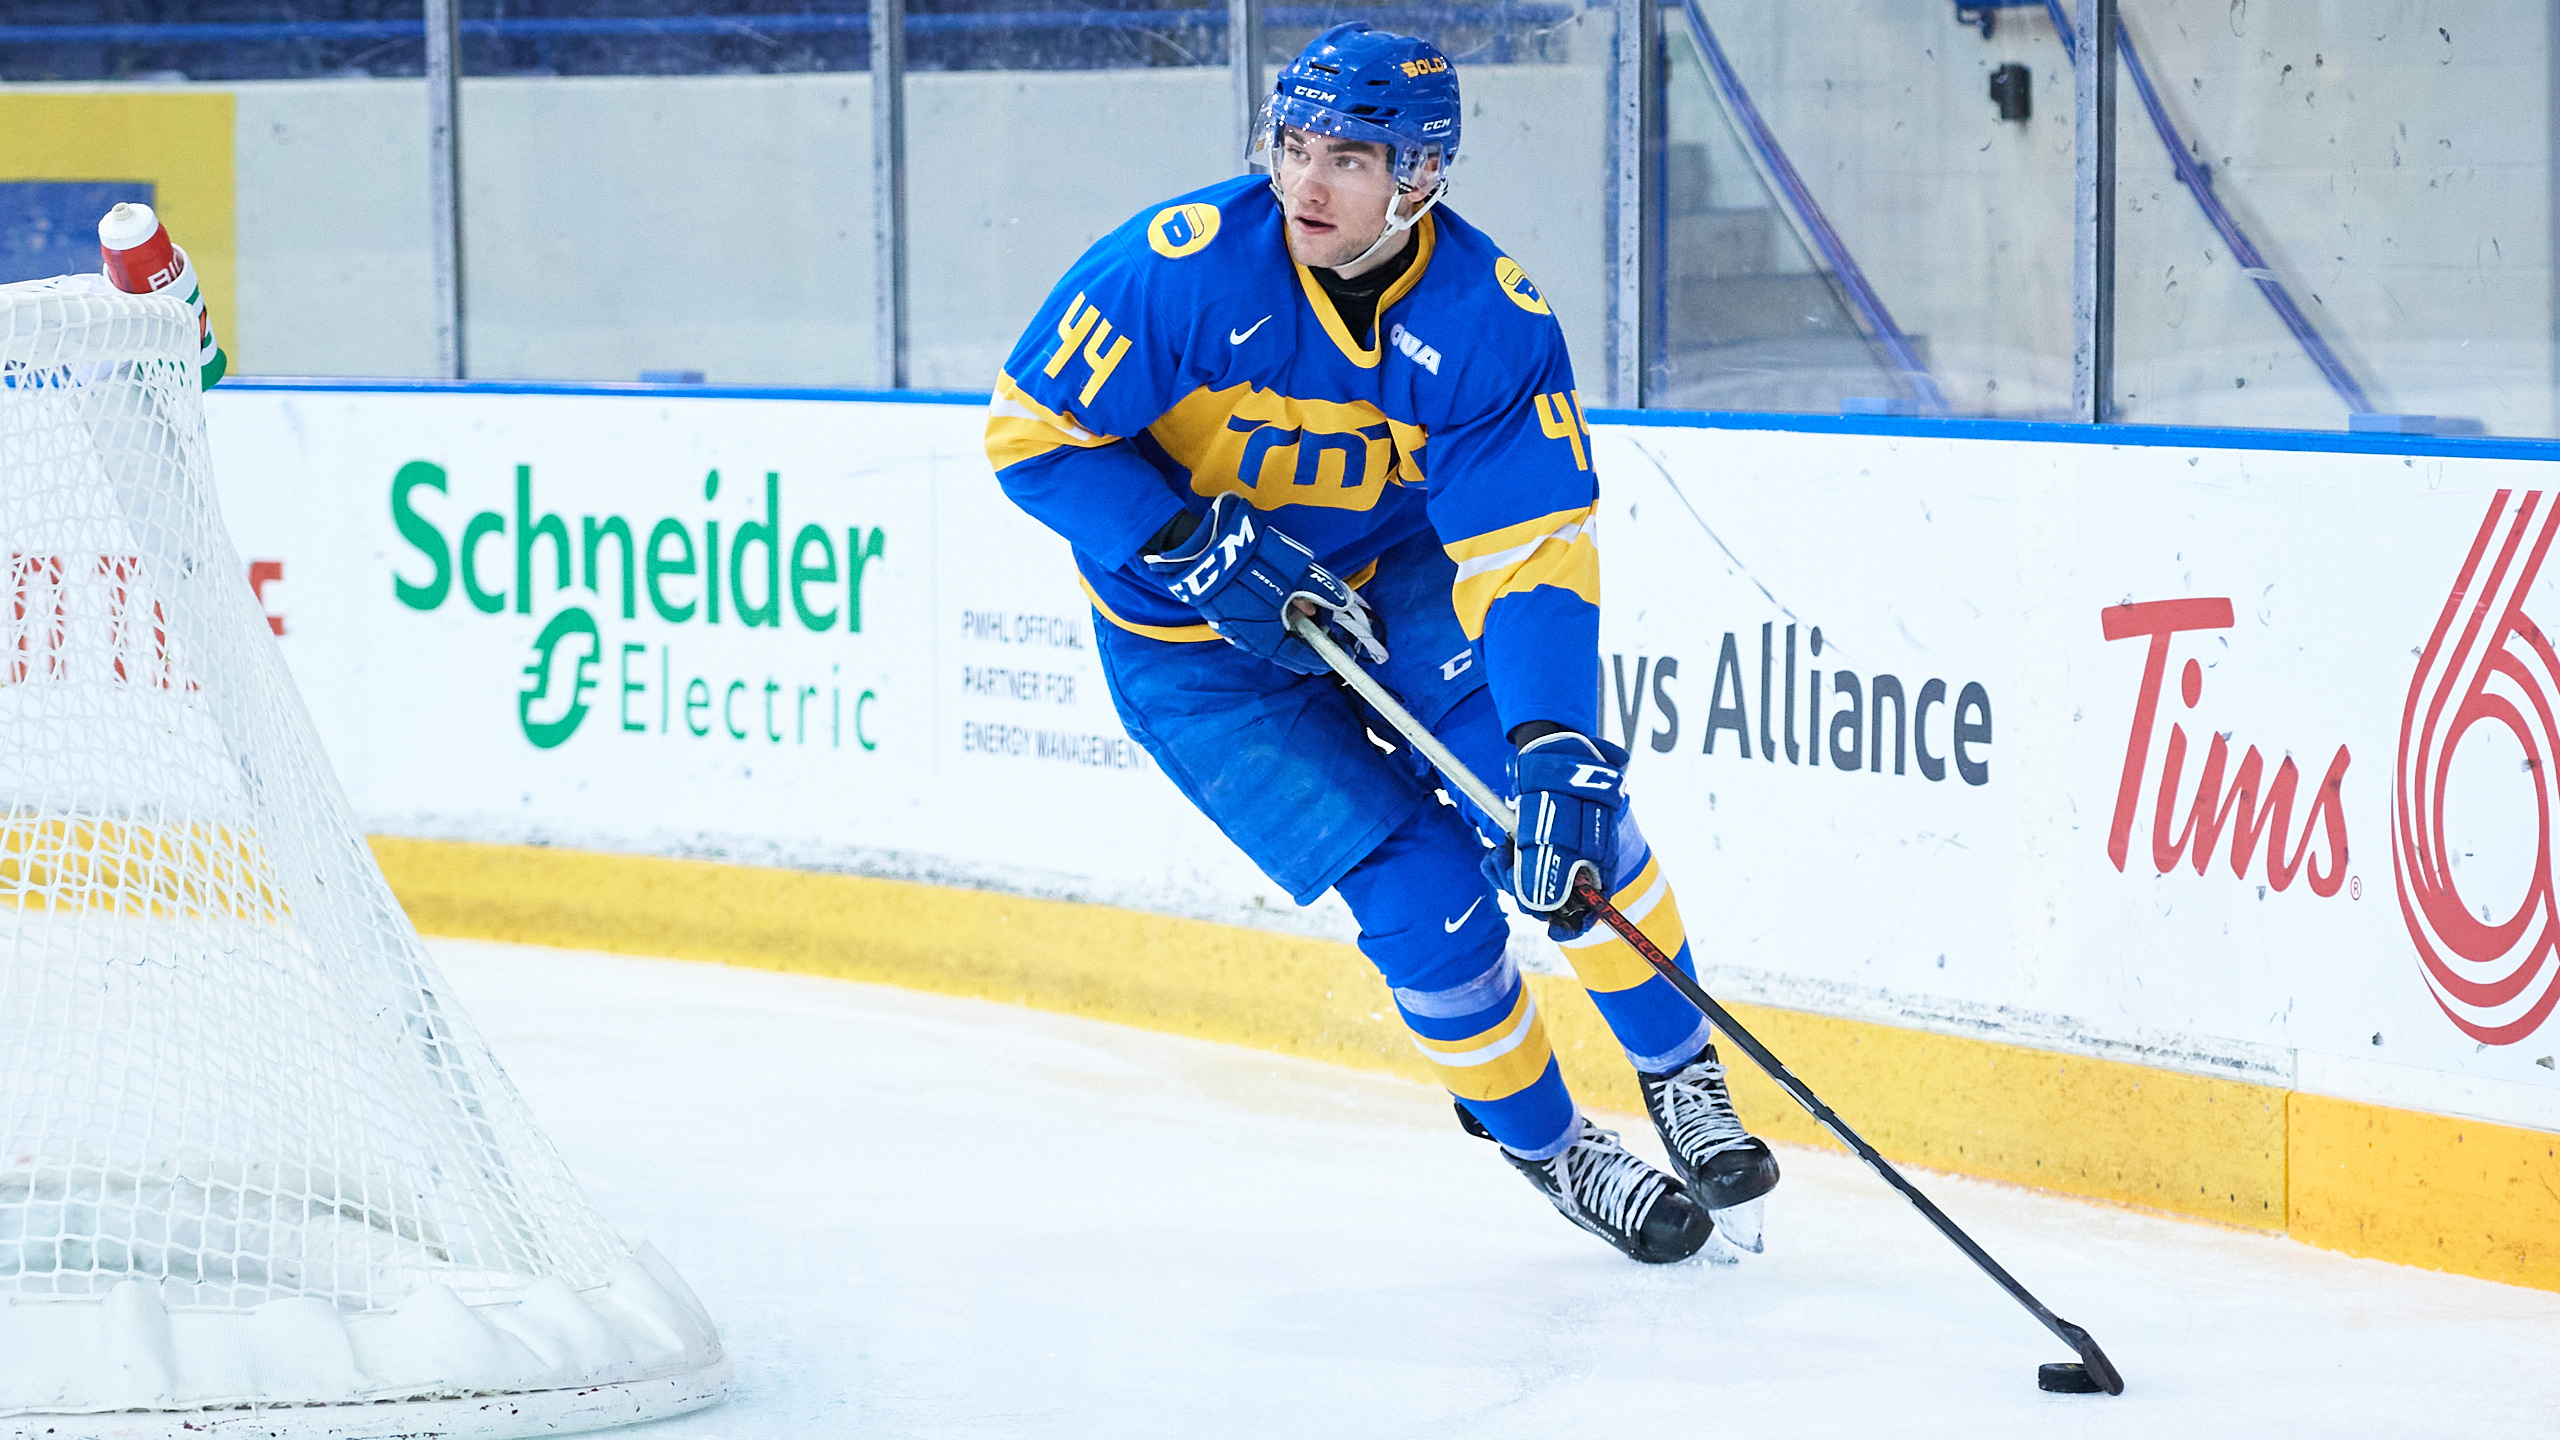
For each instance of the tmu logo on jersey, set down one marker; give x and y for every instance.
(2486, 663)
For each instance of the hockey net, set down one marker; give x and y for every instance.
(251, 1151)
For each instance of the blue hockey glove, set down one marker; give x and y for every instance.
(1570, 801)
(1242, 576)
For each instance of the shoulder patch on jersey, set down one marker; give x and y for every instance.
(1180, 230)
(1516, 283)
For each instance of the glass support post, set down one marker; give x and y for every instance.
(889, 189)
(444, 179)
(1630, 81)
(1244, 63)
(2093, 238)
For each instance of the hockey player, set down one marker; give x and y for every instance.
(1324, 388)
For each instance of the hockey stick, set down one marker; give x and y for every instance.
(2101, 1370)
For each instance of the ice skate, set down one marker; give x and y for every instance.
(1597, 1184)
(1726, 1167)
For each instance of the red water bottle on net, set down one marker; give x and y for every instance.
(142, 260)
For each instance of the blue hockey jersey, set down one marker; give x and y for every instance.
(1186, 355)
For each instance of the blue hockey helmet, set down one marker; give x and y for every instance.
(1366, 84)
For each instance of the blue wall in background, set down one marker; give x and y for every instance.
(50, 227)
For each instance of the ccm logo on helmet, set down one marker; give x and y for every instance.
(1311, 92)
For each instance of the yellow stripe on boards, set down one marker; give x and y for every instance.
(2188, 1144)
(186, 872)
(2214, 1149)
(1313, 998)
(2431, 1190)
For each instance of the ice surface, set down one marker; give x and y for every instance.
(920, 1216)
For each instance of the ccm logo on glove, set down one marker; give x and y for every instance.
(1243, 578)
(1212, 569)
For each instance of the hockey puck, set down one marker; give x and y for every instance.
(2066, 1377)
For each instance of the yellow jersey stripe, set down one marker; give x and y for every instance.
(1572, 564)
(1178, 634)
(1565, 534)
(1020, 428)
(1521, 538)
(1192, 634)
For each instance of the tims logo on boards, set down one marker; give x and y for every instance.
(2486, 667)
(2479, 734)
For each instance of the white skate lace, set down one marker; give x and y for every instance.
(1606, 1183)
(1697, 1114)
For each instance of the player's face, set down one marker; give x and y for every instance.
(1335, 195)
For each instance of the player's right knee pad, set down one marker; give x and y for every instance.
(1428, 920)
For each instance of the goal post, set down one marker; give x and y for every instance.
(253, 1155)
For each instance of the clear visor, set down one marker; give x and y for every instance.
(1291, 112)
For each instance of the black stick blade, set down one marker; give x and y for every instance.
(2099, 1370)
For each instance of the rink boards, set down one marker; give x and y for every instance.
(2166, 820)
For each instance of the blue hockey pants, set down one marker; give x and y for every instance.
(1286, 765)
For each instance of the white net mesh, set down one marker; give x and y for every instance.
(228, 1069)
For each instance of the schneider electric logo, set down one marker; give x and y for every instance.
(658, 584)
(571, 623)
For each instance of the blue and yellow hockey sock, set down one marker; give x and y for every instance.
(1658, 1027)
(1430, 923)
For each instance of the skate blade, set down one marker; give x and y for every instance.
(1718, 1250)
(1740, 1227)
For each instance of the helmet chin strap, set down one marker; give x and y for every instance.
(1395, 226)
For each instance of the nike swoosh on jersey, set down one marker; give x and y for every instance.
(1238, 337)
(1451, 926)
